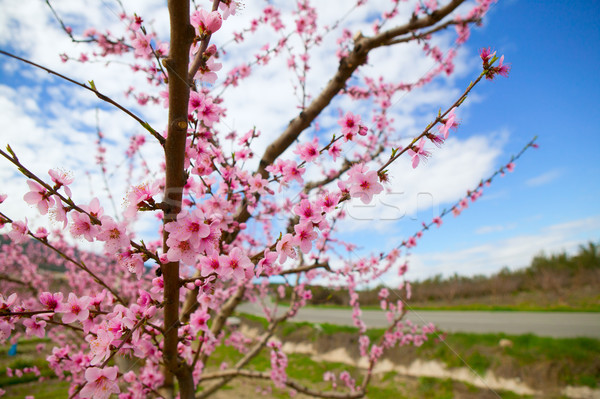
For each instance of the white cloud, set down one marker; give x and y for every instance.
(495, 228)
(515, 252)
(544, 178)
(445, 178)
(51, 123)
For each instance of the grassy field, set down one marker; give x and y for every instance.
(301, 367)
(539, 362)
(383, 386)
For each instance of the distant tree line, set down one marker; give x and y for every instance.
(554, 274)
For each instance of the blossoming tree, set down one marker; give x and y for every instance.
(226, 230)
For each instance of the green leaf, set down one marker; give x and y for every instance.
(10, 151)
(147, 126)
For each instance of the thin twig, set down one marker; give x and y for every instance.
(101, 96)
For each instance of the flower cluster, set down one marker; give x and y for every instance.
(226, 234)
(489, 58)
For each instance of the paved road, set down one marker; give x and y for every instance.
(548, 324)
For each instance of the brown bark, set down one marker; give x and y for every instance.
(348, 65)
(182, 34)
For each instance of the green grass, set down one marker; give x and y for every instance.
(576, 361)
(51, 389)
(28, 384)
(27, 356)
(389, 385)
(435, 389)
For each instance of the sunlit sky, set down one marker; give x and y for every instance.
(549, 203)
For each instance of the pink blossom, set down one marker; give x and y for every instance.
(207, 74)
(305, 235)
(285, 248)
(113, 234)
(38, 196)
(19, 231)
(292, 171)
(463, 33)
(94, 208)
(417, 152)
(75, 309)
(448, 124)
(181, 251)
(82, 226)
(158, 285)
(100, 383)
(208, 111)
(5, 304)
(363, 344)
(3, 198)
(189, 226)
(437, 220)
(308, 211)
(335, 150)
(210, 264)
(61, 179)
(133, 262)
(259, 185)
(142, 45)
(139, 195)
(34, 326)
(59, 212)
(209, 243)
(199, 319)
(510, 166)
(229, 7)
(308, 152)
(235, 263)
(364, 184)
(51, 301)
(328, 201)
(100, 345)
(267, 263)
(350, 124)
(502, 69)
(196, 101)
(486, 54)
(432, 5)
(5, 329)
(206, 22)
(41, 233)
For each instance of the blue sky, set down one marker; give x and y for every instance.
(549, 203)
(552, 92)
(552, 200)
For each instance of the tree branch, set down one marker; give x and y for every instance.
(199, 59)
(289, 382)
(349, 64)
(181, 36)
(80, 265)
(101, 96)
